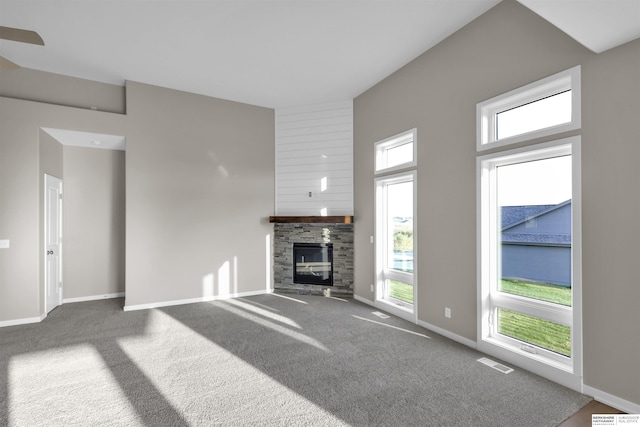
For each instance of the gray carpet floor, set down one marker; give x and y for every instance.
(258, 361)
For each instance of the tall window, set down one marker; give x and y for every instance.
(395, 234)
(529, 238)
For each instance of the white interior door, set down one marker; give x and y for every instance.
(53, 242)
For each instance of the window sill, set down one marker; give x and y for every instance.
(531, 358)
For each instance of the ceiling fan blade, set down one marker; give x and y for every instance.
(18, 35)
(7, 65)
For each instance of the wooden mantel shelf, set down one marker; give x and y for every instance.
(312, 219)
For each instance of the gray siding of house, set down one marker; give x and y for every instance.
(540, 249)
(546, 264)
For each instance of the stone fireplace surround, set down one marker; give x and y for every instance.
(288, 233)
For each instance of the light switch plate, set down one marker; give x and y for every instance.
(4, 244)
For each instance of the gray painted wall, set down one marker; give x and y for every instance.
(94, 222)
(199, 184)
(506, 48)
(200, 188)
(25, 154)
(610, 212)
(40, 86)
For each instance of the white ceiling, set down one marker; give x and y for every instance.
(272, 53)
(87, 139)
(597, 24)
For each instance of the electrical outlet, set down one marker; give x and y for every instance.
(447, 312)
(371, 287)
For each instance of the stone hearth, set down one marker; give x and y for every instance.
(340, 235)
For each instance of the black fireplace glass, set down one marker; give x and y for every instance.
(313, 263)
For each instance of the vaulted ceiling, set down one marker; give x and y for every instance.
(273, 53)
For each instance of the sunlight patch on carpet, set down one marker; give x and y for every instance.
(47, 386)
(337, 299)
(392, 327)
(199, 369)
(380, 314)
(289, 298)
(274, 326)
(264, 313)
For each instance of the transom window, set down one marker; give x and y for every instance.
(396, 152)
(539, 114)
(542, 108)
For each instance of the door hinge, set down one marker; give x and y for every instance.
(59, 285)
(60, 196)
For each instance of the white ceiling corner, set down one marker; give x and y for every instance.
(598, 25)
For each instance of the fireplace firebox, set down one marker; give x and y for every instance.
(313, 263)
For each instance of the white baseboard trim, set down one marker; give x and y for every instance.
(429, 326)
(363, 300)
(93, 297)
(611, 400)
(26, 321)
(390, 308)
(191, 300)
(454, 337)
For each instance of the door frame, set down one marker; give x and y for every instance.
(50, 180)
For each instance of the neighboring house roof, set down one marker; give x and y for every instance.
(512, 216)
(537, 239)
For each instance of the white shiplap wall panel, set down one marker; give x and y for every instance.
(292, 137)
(314, 154)
(306, 143)
(292, 187)
(324, 168)
(303, 124)
(327, 130)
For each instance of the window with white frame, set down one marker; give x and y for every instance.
(542, 108)
(529, 237)
(395, 186)
(529, 222)
(396, 152)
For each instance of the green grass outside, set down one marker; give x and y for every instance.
(542, 333)
(549, 335)
(401, 291)
(539, 291)
(544, 292)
